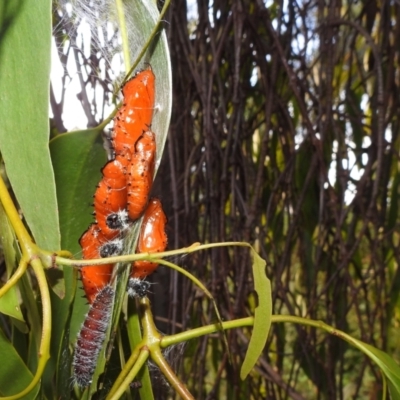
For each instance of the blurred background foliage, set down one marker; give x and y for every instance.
(284, 133)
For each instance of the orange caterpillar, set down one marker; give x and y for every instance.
(140, 174)
(110, 198)
(95, 245)
(135, 115)
(152, 239)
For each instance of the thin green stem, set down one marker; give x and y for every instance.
(187, 274)
(118, 390)
(147, 256)
(149, 40)
(202, 287)
(27, 246)
(33, 313)
(239, 323)
(124, 33)
(106, 121)
(166, 369)
(44, 349)
(63, 253)
(122, 359)
(132, 361)
(22, 267)
(384, 387)
(151, 336)
(167, 341)
(46, 308)
(135, 337)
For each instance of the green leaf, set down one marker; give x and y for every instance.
(388, 366)
(24, 105)
(9, 303)
(386, 363)
(77, 159)
(33, 318)
(262, 315)
(14, 374)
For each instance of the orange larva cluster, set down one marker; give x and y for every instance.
(122, 196)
